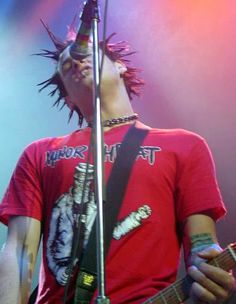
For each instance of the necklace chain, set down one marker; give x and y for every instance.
(119, 120)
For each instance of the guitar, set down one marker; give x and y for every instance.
(179, 291)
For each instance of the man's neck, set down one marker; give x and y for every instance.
(114, 105)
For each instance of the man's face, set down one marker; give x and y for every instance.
(77, 76)
(74, 73)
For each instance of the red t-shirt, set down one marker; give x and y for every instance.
(173, 177)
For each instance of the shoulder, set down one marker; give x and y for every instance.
(176, 135)
(36, 150)
(184, 144)
(49, 142)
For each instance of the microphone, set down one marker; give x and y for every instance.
(80, 48)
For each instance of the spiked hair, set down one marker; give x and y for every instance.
(114, 51)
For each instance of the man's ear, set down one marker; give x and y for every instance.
(121, 67)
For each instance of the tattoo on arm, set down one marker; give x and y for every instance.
(26, 273)
(201, 241)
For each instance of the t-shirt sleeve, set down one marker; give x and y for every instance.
(23, 196)
(198, 191)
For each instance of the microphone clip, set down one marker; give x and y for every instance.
(90, 11)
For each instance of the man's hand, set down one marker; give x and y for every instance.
(212, 285)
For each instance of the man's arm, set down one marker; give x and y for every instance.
(17, 259)
(212, 284)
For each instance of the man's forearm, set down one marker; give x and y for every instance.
(17, 259)
(199, 232)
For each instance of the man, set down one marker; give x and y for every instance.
(172, 197)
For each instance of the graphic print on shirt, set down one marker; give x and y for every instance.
(132, 221)
(147, 153)
(65, 214)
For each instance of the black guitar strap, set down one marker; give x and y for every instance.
(87, 278)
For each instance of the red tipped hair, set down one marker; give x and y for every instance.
(115, 51)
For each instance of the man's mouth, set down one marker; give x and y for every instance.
(86, 70)
(81, 72)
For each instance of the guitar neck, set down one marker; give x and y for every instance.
(179, 291)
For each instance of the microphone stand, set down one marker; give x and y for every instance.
(98, 158)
